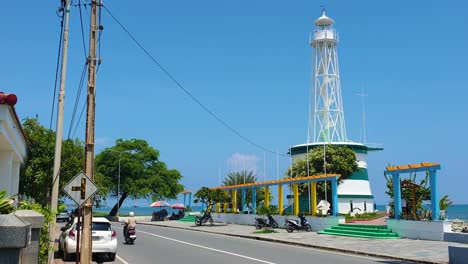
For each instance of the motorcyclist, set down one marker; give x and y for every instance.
(130, 222)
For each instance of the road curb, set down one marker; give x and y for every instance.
(354, 252)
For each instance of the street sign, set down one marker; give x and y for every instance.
(80, 188)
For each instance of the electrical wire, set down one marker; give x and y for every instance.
(60, 9)
(82, 30)
(77, 99)
(179, 85)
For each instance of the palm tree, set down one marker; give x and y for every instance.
(242, 177)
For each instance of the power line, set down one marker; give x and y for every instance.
(77, 99)
(178, 84)
(83, 75)
(60, 9)
(82, 30)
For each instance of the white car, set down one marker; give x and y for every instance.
(104, 238)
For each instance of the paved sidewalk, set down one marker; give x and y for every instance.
(422, 251)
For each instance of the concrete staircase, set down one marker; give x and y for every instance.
(365, 231)
(188, 218)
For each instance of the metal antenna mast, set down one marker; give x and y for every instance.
(363, 132)
(86, 242)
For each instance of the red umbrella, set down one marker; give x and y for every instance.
(178, 206)
(160, 204)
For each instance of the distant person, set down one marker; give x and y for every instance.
(130, 222)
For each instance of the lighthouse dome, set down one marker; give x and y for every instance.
(324, 20)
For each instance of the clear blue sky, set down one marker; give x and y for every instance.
(250, 63)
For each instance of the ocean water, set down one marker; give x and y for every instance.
(140, 211)
(456, 211)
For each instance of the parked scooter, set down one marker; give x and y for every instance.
(293, 224)
(203, 219)
(130, 235)
(261, 222)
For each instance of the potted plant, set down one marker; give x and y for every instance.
(444, 203)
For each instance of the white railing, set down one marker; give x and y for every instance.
(374, 145)
(324, 34)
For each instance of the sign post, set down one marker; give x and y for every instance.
(80, 189)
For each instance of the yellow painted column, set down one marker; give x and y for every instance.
(313, 198)
(218, 207)
(267, 196)
(296, 198)
(280, 199)
(225, 204)
(234, 201)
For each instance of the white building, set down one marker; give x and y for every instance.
(13, 145)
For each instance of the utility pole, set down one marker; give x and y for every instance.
(59, 133)
(86, 241)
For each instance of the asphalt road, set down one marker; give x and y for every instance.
(169, 245)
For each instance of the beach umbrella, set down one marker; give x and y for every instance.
(160, 204)
(178, 206)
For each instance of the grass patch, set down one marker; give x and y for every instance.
(265, 231)
(99, 214)
(364, 217)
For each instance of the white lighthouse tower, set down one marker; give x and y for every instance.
(354, 193)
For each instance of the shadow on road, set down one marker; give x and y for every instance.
(395, 262)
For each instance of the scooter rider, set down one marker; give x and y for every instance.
(130, 222)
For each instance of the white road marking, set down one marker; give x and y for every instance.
(208, 248)
(121, 259)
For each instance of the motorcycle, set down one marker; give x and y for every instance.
(129, 235)
(203, 219)
(293, 224)
(262, 222)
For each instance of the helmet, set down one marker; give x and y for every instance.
(131, 214)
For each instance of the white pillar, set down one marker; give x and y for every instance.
(15, 177)
(6, 163)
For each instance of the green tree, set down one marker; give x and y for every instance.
(142, 174)
(234, 178)
(210, 197)
(339, 160)
(36, 176)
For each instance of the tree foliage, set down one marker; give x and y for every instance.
(339, 160)
(210, 197)
(142, 174)
(234, 178)
(36, 176)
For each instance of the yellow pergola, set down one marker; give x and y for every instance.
(312, 180)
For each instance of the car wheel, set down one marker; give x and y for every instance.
(112, 256)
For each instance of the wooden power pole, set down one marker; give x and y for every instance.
(59, 132)
(86, 242)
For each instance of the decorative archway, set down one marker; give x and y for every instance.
(395, 171)
(294, 181)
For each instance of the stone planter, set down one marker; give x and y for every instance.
(426, 230)
(317, 223)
